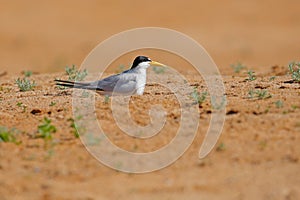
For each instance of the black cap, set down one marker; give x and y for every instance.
(138, 60)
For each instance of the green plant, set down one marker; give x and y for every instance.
(251, 94)
(262, 144)
(75, 74)
(27, 73)
(251, 75)
(218, 105)
(292, 109)
(238, 67)
(267, 109)
(272, 78)
(75, 127)
(221, 147)
(21, 105)
(158, 70)
(263, 94)
(52, 103)
(259, 94)
(8, 135)
(198, 97)
(91, 139)
(45, 129)
(25, 84)
(294, 68)
(278, 104)
(106, 99)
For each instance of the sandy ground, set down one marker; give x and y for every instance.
(257, 155)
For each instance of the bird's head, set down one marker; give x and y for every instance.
(144, 62)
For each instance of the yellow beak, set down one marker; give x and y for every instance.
(154, 63)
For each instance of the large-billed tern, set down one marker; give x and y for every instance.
(131, 81)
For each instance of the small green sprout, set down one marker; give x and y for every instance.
(221, 147)
(75, 126)
(52, 103)
(198, 97)
(278, 104)
(45, 130)
(158, 70)
(75, 74)
(91, 139)
(27, 73)
(251, 75)
(262, 144)
(272, 78)
(218, 105)
(251, 94)
(21, 105)
(106, 99)
(259, 94)
(292, 109)
(25, 84)
(238, 67)
(8, 135)
(294, 68)
(263, 94)
(267, 109)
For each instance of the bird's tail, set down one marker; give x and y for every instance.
(73, 84)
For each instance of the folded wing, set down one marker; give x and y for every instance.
(119, 83)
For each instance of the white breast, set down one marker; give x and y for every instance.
(141, 81)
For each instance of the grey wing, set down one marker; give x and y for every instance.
(120, 83)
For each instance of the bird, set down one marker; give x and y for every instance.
(128, 82)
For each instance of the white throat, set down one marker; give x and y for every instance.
(143, 65)
(141, 71)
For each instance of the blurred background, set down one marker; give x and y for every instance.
(46, 36)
